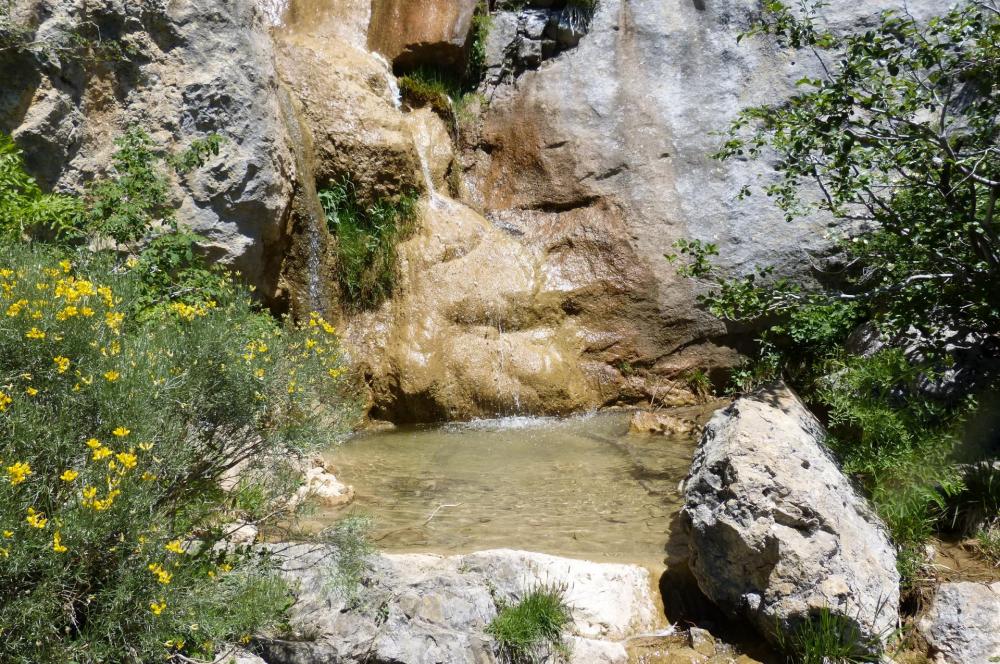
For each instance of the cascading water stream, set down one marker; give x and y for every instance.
(390, 81)
(310, 211)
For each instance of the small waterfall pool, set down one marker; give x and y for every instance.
(581, 487)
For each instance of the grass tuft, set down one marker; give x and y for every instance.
(531, 631)
(828, 638)
(367, 237)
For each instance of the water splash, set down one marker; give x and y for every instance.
(390, 81)
(273, 11)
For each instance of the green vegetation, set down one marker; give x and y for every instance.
(367, 236)
(482, 22)
(988, 541)
(899, 134)
(828, 638)
(353, 548)
(24, 209)
(132, 380)
(699, 383)
(429, 87)
(531, 631)
(447, 94)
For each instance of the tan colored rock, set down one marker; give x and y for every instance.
(412, 33)
(434, 609)
(646, 422)
(345, 99)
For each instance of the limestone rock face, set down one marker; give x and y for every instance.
(431, 32)
(189, 69)
(777, 532)
(421, 609)
(627, 117)
(963, 623)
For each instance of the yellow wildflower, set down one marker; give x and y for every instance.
(162, 575)
(89, 492)
(157, 608)
(8, 533)
(15, 308)
(5, 401)
(127, 459)
(69, 475)
(174, 547)
(34, 333)
(57, 544)
(148, 476)
(36, 519)
(101, 453)
(86, 312)
(259, 373)
(30, 391)
(65, 265)
(121, 432)
(18, 472)
(111, 376)
(67, 312)
(93, 443)
(113, 320)
(62, 363)
(145, 447)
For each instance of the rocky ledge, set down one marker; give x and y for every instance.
(419, 609)
(777, 532)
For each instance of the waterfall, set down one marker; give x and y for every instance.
(390, 81)
(307, 203)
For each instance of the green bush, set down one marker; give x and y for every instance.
(531, 631)
(988, 542)
(367, 237)
(25, 211)
(115, 433)
(867, 141)
(349, 538)
(428, 87)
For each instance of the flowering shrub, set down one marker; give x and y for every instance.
(115, 433)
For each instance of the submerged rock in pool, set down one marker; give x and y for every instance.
(417, 608)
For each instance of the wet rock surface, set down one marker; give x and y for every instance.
(432, 33)
(963, 623)
(418, 609)
(777, 532)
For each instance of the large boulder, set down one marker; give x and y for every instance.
(963, 623)
(417, 609)
(777, 532)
